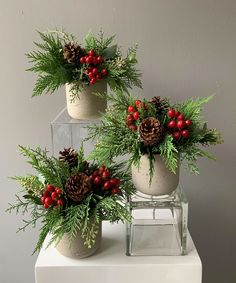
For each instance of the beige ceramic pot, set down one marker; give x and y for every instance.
(77, 249)
(163, 182)
(87, 106)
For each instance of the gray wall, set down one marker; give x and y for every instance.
(187, 48)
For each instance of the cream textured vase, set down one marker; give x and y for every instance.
(87, 106)
(77, 249)
(163, 182)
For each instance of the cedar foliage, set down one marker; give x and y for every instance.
(114, 138)
(53, 71)
(58, 220)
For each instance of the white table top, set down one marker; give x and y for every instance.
(110, 264)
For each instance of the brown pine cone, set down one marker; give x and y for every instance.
(77, 187)
(151, 131)
(160, 104)
(86, 168)
(70, 156)
(72, 53)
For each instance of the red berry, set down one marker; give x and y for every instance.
(176, 135)
(96, 173)
(54, 195)
(91, 53)
(102, 168)
(60, 202)
(172, 124)
(82, 60)
(97, 181)
(105, 174)
(180, 124)
(90, 75)
(91, 178)
(46, 194)
(136, 115)
(137, 103)
(45, 206)
(177, 113)
(89, 59)
(171, 113)
(115, 182)
(188, 123)
(50, 188)
(93, 81)
(95, 62)
(95, 71)
(133, 128)
(115, 191)
(107, 185)
(130, 117)
(131, 109)
(104, 72)
(98, 77)
(58, 191)
(185, 133)
(180, 117)
(48, 201)
(99, 59)
(43, 200)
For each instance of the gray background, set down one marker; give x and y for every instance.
(186, 48)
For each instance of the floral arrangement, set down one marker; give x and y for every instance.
(138, 127)
(68, 192)
(60, 60)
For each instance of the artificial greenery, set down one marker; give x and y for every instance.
(57, 62)
(68, 216)
(119, 136)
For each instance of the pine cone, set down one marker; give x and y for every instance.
(72, 53)
(160, 104)
(151, 131)
(86, 168)
(70, 156)
(77, 187)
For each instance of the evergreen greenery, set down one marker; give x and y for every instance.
(115, 138)
(54, 71)
(84, 216)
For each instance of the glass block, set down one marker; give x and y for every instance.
(159, 224)
(67, 132)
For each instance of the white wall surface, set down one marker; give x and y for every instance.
(186, 48)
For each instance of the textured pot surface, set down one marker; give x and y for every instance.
(77, 249)
(163, 182)
(87, 105)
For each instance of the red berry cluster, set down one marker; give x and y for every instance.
(102, 179)
(134, 115)
(178, 124)
(52, 197)
(94, 70)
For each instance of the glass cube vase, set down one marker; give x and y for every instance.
(67, 132)
(159, 224)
